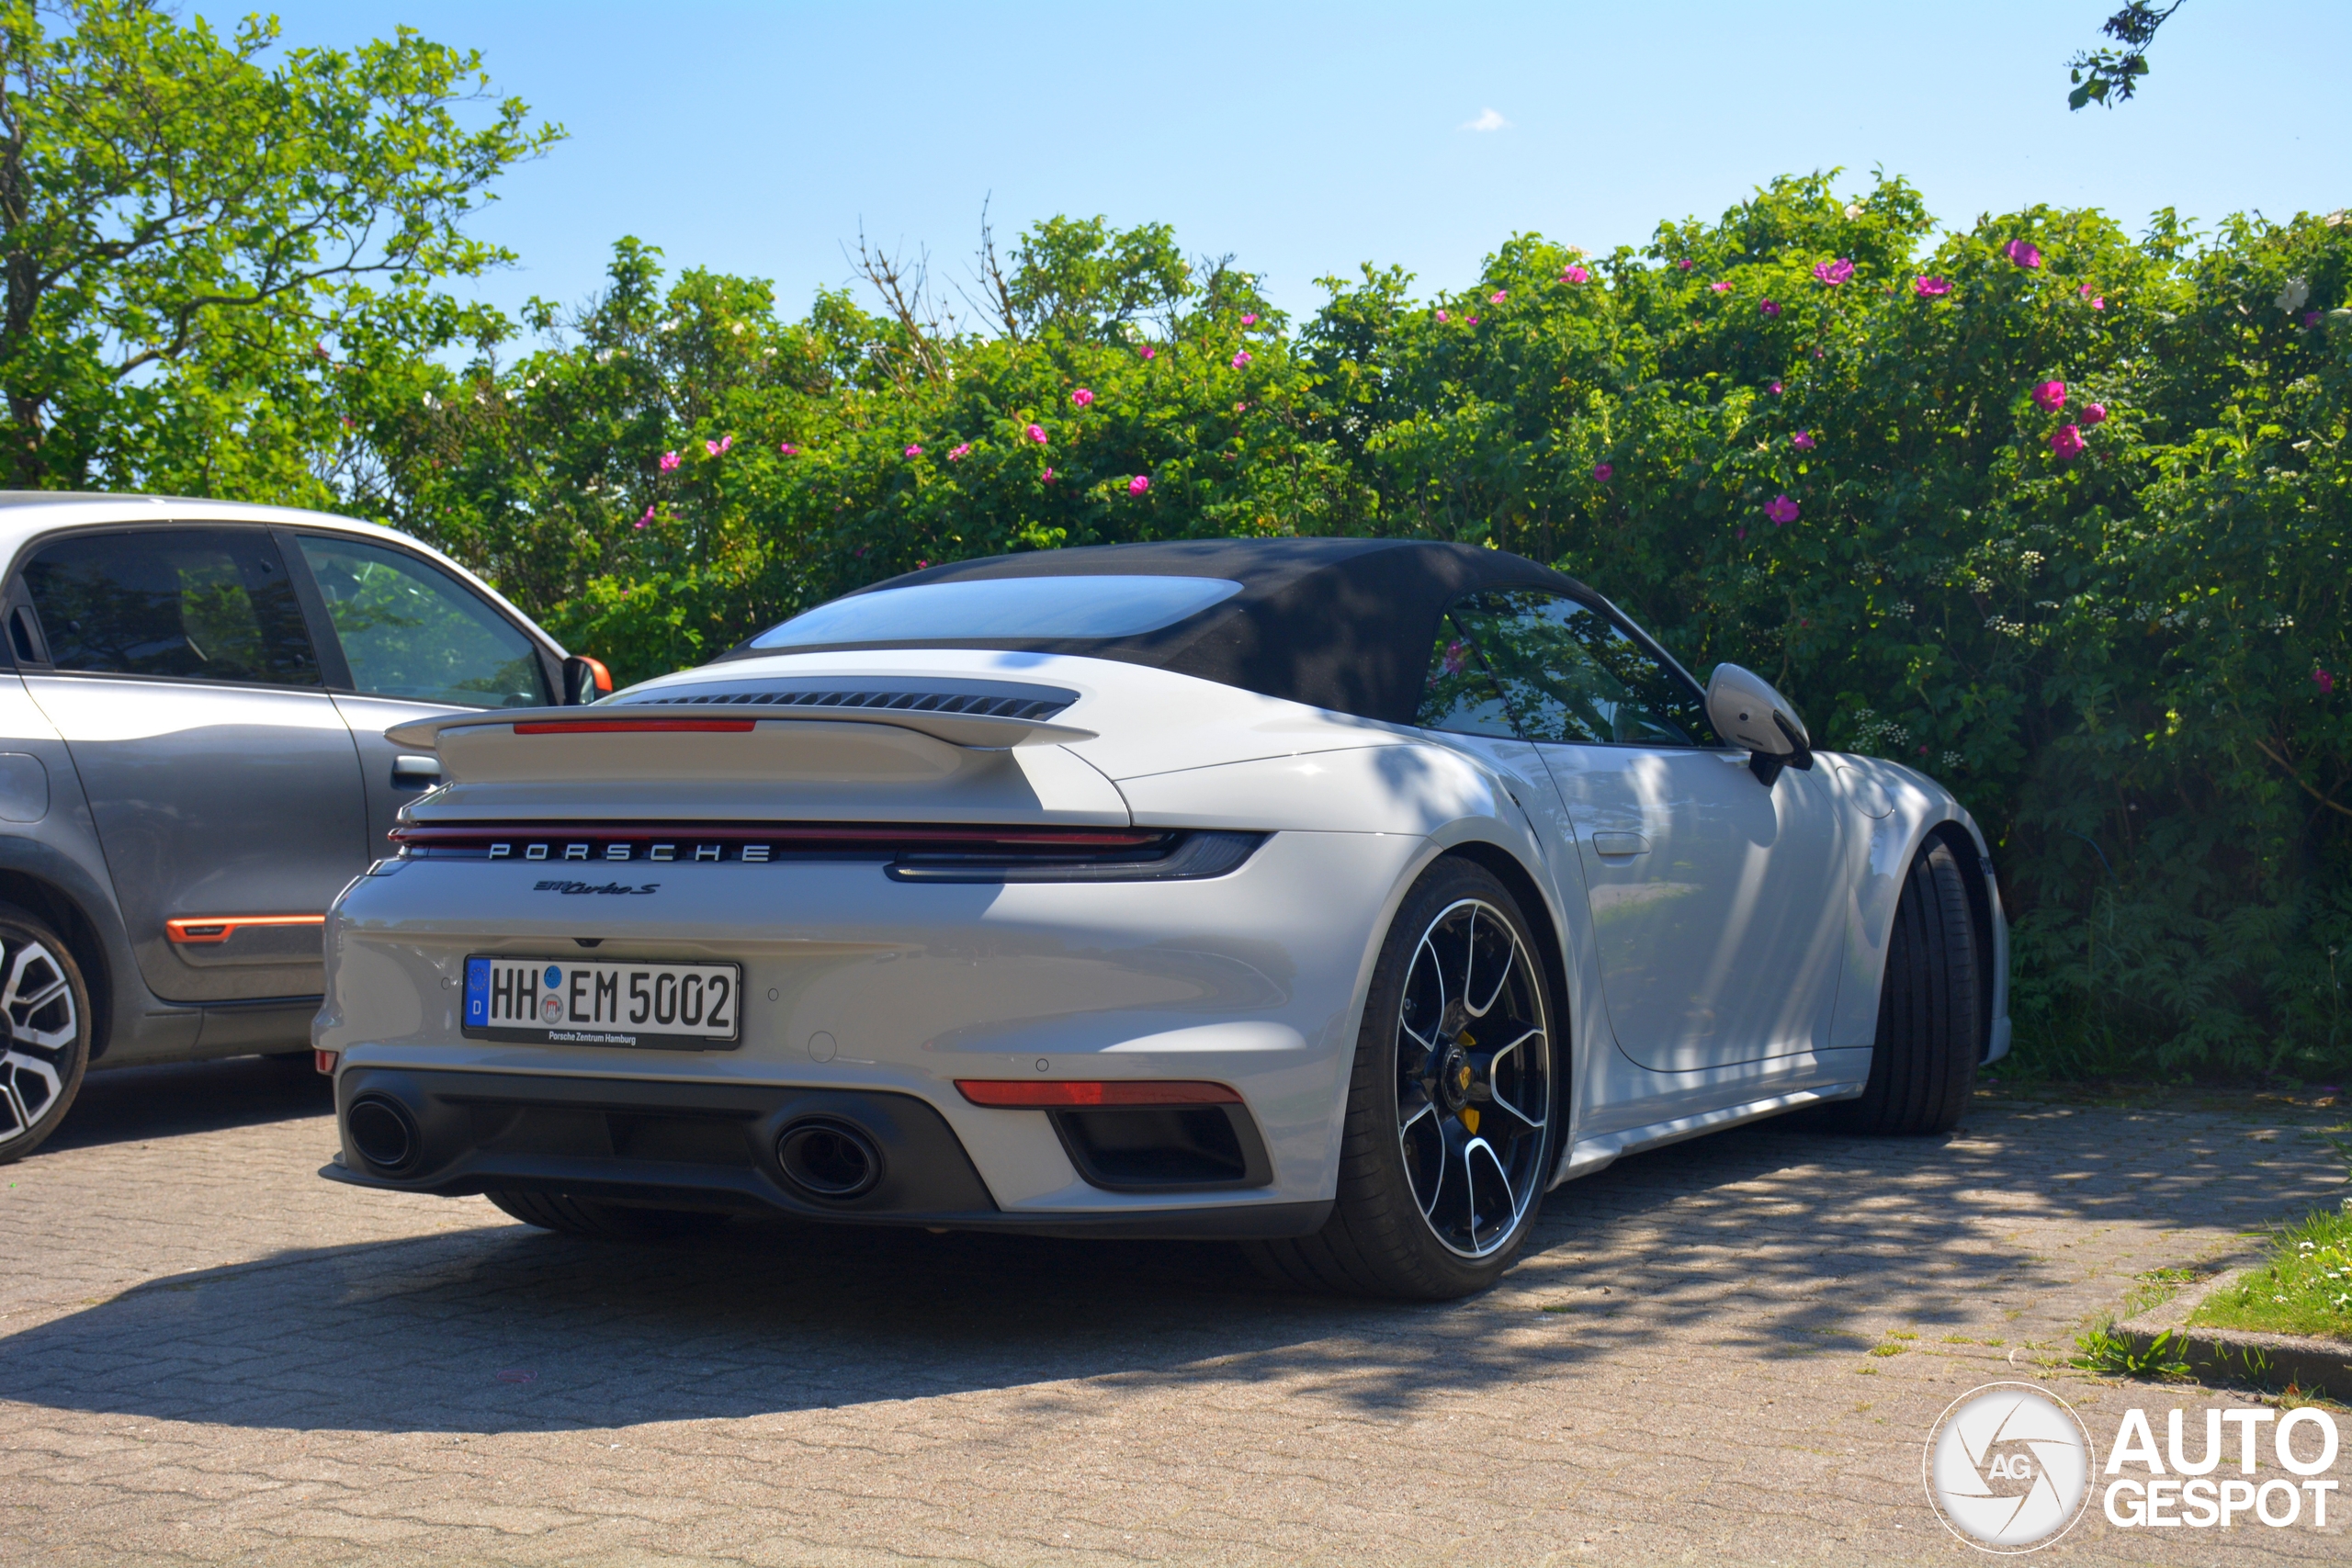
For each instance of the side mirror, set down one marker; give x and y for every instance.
(585, 679)
(1746, 710)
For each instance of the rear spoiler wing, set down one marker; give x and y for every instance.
(972, 732)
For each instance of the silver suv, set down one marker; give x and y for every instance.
(193, 700)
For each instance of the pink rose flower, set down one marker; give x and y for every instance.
(1440, 315)
(1472, 320)
(1780, 508)
(647, 518)
(1577, 273)
(1719, 287)
(1685, 264)
(1833, 273)
(1603, 472)
(1930, 288)
(1035, 432)
(1776, 388)
(1803, 441)
(1138, 484)
(1241, 359)
(1149, 352)
(2323, 681)
(2098, 301)
(714, 448)
(1047, 476)
(788, 449)
(2067, 442)
(1081, 397)
(2023, 254)
(2050, 396)
(1499, 295)
(669, 462)
(956, 454)
(913, 452)
(2093, 413)
(1249, 320)
(1770, 307)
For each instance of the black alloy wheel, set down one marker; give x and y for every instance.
(44, 1032)
(1451, 1127)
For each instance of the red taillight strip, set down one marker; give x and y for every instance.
(220, 928)
(1053, 1094)
(798, 833)
(632, 726)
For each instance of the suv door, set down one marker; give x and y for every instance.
(1717, 905)
(416, 642)
(177, 663)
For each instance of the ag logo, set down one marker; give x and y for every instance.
(2008, 1468)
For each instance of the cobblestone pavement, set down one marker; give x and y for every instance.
(208, 1355)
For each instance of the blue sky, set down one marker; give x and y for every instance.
(1306, 139)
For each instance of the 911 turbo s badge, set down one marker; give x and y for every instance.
(570, 889)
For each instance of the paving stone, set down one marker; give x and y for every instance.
(208, 1355)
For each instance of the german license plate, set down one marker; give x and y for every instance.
(559, 1001)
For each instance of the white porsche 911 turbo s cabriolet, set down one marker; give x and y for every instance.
(1338, 897)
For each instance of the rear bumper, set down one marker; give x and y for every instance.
(714, 1146)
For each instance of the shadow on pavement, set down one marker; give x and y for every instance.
(122, 1104)
(1763, 1238)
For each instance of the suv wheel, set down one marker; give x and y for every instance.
(44, 1032)
(1451, 1131)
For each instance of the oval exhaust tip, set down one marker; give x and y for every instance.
(382, 1130)
(829, 1159)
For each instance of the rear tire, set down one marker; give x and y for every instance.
(44, 1032)
(597, 1221)
(1441, 1176)
(1931, 1009)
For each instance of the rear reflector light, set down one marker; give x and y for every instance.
(1053, 1094)
(188, 929)
(633, 725)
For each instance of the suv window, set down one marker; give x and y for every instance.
(409, 630)
(1569, 674)
(202, 603)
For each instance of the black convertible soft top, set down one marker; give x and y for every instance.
(1344, 625)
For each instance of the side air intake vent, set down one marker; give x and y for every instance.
(1038, 703)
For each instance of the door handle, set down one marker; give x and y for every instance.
(415, 772)
(1620, 844)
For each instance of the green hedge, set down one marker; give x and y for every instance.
(2054, 514)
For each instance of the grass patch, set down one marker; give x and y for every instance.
(2306, 1286)
(2101, 1350)
(2158, 1286)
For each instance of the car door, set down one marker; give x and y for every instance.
(177, 665)
(414, 641)
(1715, 899)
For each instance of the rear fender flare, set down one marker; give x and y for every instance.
(49, 883)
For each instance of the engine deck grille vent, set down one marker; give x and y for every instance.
(990, 705)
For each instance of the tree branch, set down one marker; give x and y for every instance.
(2307, 788)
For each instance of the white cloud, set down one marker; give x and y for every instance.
(1487, 121)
